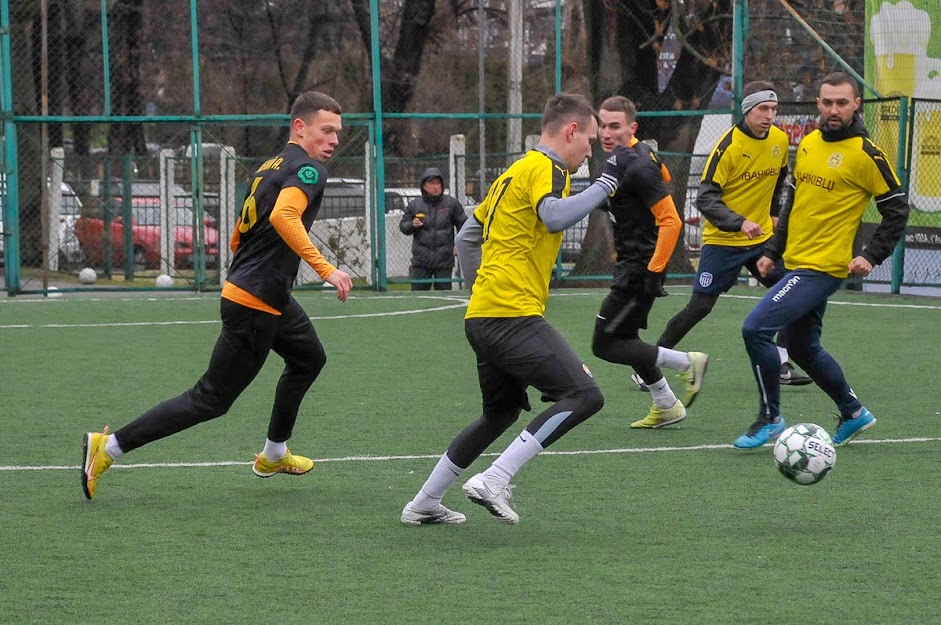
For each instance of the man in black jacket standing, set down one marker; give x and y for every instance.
(432, 220)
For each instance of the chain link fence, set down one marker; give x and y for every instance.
(156, 114)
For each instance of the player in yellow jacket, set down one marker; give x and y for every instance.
(507, 251)
(741, 190)
(837, 171)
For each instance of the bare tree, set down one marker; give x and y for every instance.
(625, 39)
(126, 23)
(400, 70)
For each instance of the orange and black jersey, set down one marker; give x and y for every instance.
(264, 265)
(640, 208)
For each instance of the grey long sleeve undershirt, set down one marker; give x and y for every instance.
(468, 242)
(557, 213)
(561, 213)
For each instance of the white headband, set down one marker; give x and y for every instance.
(751, 101)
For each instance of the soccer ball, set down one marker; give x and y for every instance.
(804, 453)
(87, 276)
(164, 281)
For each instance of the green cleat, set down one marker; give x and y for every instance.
(694, 376)
(657, 417)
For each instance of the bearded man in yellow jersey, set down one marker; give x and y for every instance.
(259, 314)
(837, 171)
(739, 194)
(507, 251)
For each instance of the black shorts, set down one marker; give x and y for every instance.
(624, 311)
(515, 353)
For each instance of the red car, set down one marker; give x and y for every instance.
(145, 231)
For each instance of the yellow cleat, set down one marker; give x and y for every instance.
(659, 417)
(96, 460)
(290, 464)
(693, 377)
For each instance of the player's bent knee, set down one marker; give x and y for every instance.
(700, 305)
(501, 420)
(592, 400)
(753, 332)
(601, 346)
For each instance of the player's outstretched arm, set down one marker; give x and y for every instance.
(561, 213)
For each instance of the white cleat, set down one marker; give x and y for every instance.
(440, 515)
(639, 382)
(497, 499)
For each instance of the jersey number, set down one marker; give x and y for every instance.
(501, 191)
(249, 215)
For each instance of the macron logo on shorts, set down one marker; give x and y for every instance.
(777, 297)
(705, 279)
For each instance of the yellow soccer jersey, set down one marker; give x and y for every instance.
(833, 184)
(518, 252)
(747, 170)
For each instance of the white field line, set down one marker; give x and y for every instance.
(458, 302)
(832, 302)
(584, 452)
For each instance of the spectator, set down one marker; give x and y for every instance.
(804, 90)
(431, 221)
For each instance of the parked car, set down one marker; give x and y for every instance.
(343, 197)
(70, 250)
(146, 229)
(70, 207)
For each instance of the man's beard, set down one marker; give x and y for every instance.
(838, 123)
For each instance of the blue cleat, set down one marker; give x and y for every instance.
(849, 428)
(760, 432)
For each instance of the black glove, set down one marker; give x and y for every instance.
(653, 284)
(615, 166)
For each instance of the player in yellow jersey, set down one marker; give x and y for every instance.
(739, 195)
(646, 227)
(507, 251)
(837, 171)
(259, 314)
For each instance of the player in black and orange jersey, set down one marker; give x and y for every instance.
(507, 252)
(646, 228)
(739, 195)
(259, 314)
(837, 172)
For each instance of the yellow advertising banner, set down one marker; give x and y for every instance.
(903, 58)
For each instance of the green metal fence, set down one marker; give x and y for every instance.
(155, 115)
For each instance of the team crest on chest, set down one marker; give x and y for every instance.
(776, 151)
(835, 160)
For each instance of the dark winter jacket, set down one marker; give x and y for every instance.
(433, 242)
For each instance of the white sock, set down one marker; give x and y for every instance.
(112, 448)
(672, 359)
(782, 354)
(524, 448)
(442, 476)
(274, 451)
(662, 394)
